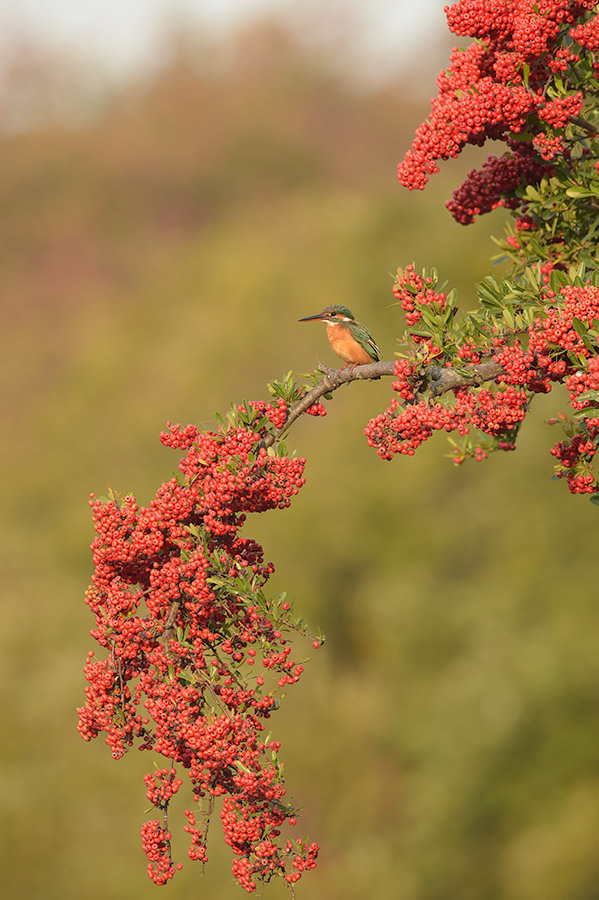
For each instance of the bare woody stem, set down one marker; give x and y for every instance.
(170, 621)
(434, 379)
(584, 125)
(439, 381)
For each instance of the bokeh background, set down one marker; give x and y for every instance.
(169, 210)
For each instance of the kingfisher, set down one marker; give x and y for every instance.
(350, 340)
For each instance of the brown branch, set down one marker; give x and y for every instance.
(586, 126)
(332, 380)
(434, 378)
(169, 630)
(439, 381)
(169, 622)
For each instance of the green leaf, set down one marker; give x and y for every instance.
(556, 279)
(521, 136)
(420, 332)
(489, 301)
(533, 277)
(528, 316)
(589, 397)
(579, 192)
(532, 192)
(489, 293)
(427, 314)
(586, 336)
(586, 413)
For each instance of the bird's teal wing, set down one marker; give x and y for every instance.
(366, 340)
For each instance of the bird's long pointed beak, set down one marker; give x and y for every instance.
(310, 318)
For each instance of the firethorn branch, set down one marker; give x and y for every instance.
(438, 381)
(332, 380)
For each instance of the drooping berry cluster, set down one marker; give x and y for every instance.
(501, 89)
(494, 184)
(182, 620)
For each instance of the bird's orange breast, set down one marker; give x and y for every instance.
(346, 346)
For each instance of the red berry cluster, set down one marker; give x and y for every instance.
(563, 58)
(549, 147)
(525, 223)
(587, 34)
(556, 347)
(415, 292)
(317, 409)
(469, 352)
(161, 786)
(497, 89)
(403, 430)
(258, 858)
(197, 850)
(404, 385)
(575, 457)
(494, 184)
(559, 111)
(276, 413)
(580, 382)
(156, 843)
(182, 618)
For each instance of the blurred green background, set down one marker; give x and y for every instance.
(155, 255)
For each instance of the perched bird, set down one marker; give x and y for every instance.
(350, 340)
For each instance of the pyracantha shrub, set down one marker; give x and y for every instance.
(193, 654)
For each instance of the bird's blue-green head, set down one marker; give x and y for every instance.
(336, 312)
